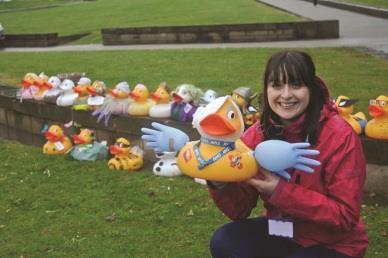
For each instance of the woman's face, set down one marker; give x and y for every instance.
(288, 101)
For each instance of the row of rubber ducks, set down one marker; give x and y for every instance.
(87, 148)
(377, 127)
(179, 105)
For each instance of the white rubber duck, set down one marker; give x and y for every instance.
(68, 96)
(52, 94)
(208, 97)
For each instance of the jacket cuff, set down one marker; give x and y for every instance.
(276, 194)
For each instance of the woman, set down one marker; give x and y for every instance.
(322, 209)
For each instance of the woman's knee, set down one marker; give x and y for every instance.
(219, 242)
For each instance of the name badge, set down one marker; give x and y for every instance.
(187, 108)
(59, 146)
(282, 228)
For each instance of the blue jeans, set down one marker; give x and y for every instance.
(249, 238)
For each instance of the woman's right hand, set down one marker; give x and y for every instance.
(265, 185)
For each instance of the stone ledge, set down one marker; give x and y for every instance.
(38, 40)
(256, 32)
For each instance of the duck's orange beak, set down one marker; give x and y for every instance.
(113, 93)
(176, 98)
(25, 83)
(52, 136)
(155, 97)
(114, 150)
(91, 91)
(134, 95)
(78, 140)
(216, 125)
(375, 110)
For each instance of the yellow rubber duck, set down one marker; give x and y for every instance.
(161, 97)
(96, 93)
(124, 157)
(345, 110)
(42, 86)
(219, 155)
(85, 136)
(243, 97)
(377, 128)
(82, 90)
(29, 85)
(57, 142)
(141, 103)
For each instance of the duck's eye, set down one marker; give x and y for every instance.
(382, 103)
(231, 115)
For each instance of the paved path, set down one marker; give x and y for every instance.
(356, 30)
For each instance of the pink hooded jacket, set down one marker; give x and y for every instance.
(324, 206)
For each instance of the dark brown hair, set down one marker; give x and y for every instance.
(300, 69)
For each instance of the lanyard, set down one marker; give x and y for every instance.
(228, 146)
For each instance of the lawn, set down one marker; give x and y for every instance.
(372, 3)
(348, 72)
(72, 17)
(56, 207)
(52, 206)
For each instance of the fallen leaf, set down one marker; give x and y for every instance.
(111, 217)
(372, 195)
(190, 213)
(151, 194)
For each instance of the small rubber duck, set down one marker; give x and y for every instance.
(116, 102)
(185, 102)
(125, 157)
(96, 93)
(208, 97)
(377, 128)
(87, 148)
(57, 141)
(53, 93)
(220, 125)
(83, 94)
(67, 96)
(161, 97)
(345, 109)
(243, 97)
(141, 103)
(43, 86)
(166, 165)
(29, 85)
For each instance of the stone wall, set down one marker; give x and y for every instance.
(258, 32)
(23, 122)
(38, 40)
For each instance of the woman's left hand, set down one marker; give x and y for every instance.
(266, 185)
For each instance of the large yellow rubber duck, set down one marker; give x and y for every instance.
(124, 157)
(219, 155)
(141, 103)
(161, 97)
(345, 110)
(377, 128)
(57, 142)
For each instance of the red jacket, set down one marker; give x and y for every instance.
(325, 205)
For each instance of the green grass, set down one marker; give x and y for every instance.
(348, 72)
(373, 3)
(52, 206)
(92, 16)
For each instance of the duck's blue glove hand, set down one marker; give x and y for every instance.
(278, 156)
(164, 138)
